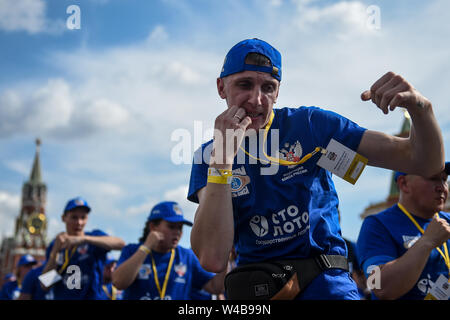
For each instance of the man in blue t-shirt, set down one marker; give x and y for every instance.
(31, 286)
(404, 249)
(258, 184)
(11, 289)
(79, 256)
(109, 292)
(157, 268)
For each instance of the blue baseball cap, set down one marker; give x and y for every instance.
(398, 173)
(169, 211)
(75, 203)
(26, 259)
(110, 261)
(9, 277)
(235, 58)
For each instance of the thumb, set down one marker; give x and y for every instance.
(365, 96)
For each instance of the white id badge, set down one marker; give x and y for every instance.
(342, 161)
(49, 278)
(440, 290)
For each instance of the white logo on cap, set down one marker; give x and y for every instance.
(79, 202)
(177, 210)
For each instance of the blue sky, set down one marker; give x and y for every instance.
(106, 98)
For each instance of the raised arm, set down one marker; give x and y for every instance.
(410, 265)
(213, 230)
(105, 242)
(127, 272)
(422, 152)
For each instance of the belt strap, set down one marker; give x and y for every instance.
(308, 269)
(327, 261)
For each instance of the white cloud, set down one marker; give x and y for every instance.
(46, 108)
(9, 210)
(103, 189)
(179, 195)
(100, 114)
(177, 69)
(54, 226)
(344, 19)
(54, 109)
(122, 92)
(141, 209)
(158, 34)
(276, 3)
(18, 166)
(27, 15)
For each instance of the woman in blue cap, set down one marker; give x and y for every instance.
(78, 256)
(157, 268)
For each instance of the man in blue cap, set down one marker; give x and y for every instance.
(31, 286)
(157, 268)
(78, 256)
(109, 291)
(276, 200)
(11, 289)
(409, 241)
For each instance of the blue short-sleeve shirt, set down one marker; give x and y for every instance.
(387, 236)
(89, 261)
(32, 286)
(10, 291)
(292, 213)
(185, 276)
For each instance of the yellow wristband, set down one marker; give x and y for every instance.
(219, 172)
(220, 176)
(144, 249)
(219, 180)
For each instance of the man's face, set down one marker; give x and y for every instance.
(172, 232)
(75, 221)
(255, 92)
(430, 194)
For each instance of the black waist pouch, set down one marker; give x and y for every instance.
(282, 279)
(257, 281)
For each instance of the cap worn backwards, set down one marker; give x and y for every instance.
(77, 202)
(169, 211)
(235, 58)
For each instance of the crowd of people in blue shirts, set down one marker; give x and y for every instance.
(156, 267)
(164, 271)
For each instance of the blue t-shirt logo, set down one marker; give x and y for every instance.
(259, 226)
(180, 269)
(291, 152)
(239, 182)
(236, 184)
(408, 241)
(145, 271)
